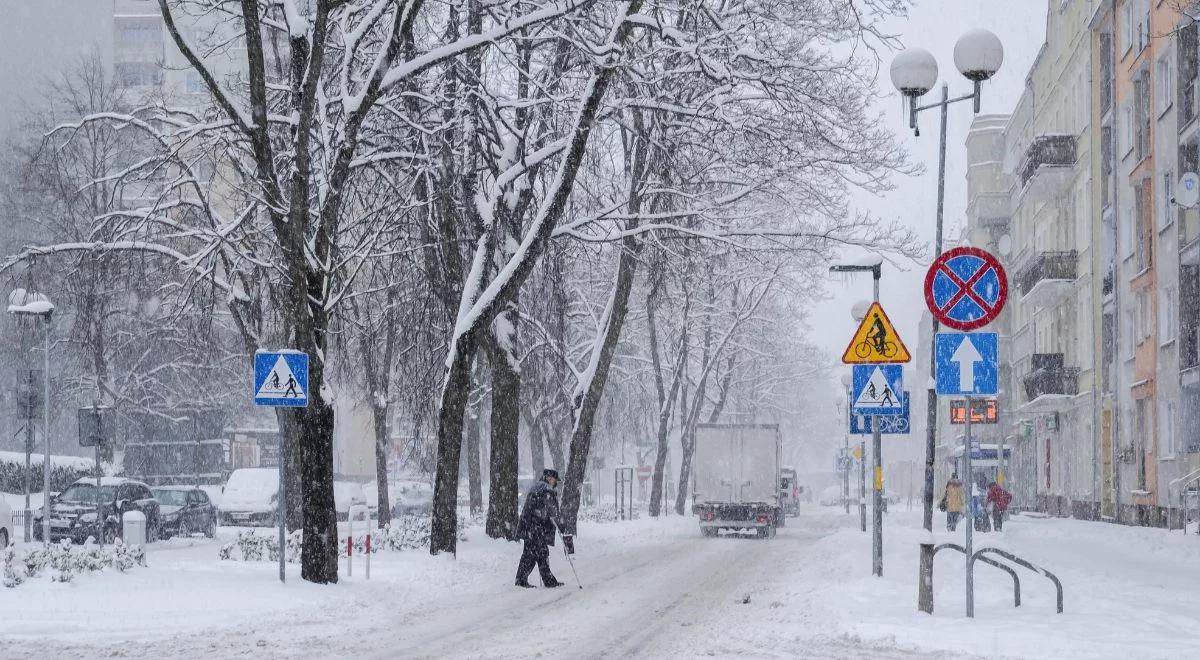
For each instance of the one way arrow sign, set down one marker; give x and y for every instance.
(966, 363)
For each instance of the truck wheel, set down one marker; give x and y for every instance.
(761, 532)
(709, 531)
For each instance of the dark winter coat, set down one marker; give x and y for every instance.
(539, 515)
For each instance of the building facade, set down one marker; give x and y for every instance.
(1076, 190)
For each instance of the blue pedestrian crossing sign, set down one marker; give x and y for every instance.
(860, 423)
(966, 363)
(877, 389)
(281, 378)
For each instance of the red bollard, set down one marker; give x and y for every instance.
(349, 556)
(368, 556)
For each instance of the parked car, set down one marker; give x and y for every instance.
(250, 497)
(412, 497)
(831, 496)
(6, 524)
(73, 513)
(185, 510)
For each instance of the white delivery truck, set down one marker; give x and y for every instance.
(735, 478)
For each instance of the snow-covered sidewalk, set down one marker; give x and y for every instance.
(653, 589)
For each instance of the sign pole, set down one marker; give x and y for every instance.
(846, 477)
(282, 513)
(970, 481)
(877, 516)
(862, 484)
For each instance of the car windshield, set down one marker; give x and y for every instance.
(171, 497)
(87, 493)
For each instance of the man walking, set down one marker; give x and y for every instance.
(539, 518)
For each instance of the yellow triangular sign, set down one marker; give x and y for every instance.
(876, 341)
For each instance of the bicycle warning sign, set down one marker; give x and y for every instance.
(876, 341)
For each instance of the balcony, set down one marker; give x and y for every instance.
(1047, 278)
(1049, 381)
(1047, 168)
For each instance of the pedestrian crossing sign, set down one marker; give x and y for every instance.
(281, 378)
(876, 341)
(878, 389)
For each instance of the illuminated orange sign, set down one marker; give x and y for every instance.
(983, 411)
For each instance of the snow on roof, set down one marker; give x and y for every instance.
(866, 260)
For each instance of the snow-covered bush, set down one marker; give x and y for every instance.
(604, 514)
(64, 561)
(410, 532)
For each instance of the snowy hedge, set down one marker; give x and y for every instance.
(409, 532)
(64, 561)
(64, 471)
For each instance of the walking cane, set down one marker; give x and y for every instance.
(569, 560)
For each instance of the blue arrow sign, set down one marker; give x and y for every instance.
(860, 424)
(966, 363)
(281, 379)
(877, 389)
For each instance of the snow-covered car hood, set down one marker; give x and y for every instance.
(169, 509)
(252, 502)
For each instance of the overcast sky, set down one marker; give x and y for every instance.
(933, 25)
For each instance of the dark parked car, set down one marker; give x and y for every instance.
(73, 513)
(185, 511)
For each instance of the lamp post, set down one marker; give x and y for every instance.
(25, 304)
(876, 270)
(978, 55)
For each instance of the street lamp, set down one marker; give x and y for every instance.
(978, 55)
(25, 304)
(873, 266)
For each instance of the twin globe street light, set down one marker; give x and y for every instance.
(978, 55)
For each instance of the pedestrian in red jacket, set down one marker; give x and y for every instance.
(998, 500)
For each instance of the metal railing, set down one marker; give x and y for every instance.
(1047, 150)
(1047, 266)
(929, 552)
(1049, 376)
(1187, 489)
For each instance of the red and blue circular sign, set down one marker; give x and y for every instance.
(966, 288)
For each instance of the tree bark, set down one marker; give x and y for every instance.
(474, 478)
(505, 425)
(666, 404)
(443, 535)
(379, 417)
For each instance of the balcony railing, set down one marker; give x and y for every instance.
(1047, 266)
(1051, 150)
(1049, 376)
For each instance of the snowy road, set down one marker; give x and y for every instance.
(651, 590)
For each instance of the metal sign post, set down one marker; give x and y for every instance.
(968, 542)
(281, 380)
(877, 515)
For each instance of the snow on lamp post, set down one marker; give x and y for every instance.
(30, 303)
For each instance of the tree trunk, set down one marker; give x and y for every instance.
(505, 431)
(443, 535)
(664, 417)
(379, 416)
(474, 480)
(319, 554)
(289, 435)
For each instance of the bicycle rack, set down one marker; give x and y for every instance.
(1017, 560)
(990, 562)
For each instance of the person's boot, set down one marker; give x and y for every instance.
(554, 583)
(525, 583)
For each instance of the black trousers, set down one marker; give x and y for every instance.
(535, 552)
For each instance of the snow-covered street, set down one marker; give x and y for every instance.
(651, 589)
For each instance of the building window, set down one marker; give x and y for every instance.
(1141, 128)
(1168, 446)
(1106, 165)
(1127, 23)
(1167, 315)
(1143, 24)
(137, 74)
(1127, 137)
(1165, 85)
(1165, 217)
(1106, 71)
(1188, 52)
(1143, 224)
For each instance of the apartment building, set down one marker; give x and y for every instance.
(1100, 341)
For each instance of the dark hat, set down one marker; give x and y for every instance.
(549, 473)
